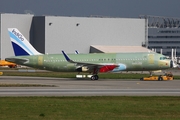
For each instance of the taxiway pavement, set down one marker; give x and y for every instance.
(80, 87)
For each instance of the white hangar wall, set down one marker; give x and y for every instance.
(79, 33)
(51, 34)
(20, 21)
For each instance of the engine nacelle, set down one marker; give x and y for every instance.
(82, 69)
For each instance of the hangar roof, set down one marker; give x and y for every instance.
(117, 49)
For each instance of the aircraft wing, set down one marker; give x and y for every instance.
(103, 67)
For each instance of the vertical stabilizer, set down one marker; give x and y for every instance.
(20, 44)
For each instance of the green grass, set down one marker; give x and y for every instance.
(24, 85)
(73, 74)
(90, 108)
(124, 75)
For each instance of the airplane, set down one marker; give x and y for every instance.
(94, 63)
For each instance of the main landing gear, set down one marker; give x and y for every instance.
(94, 77)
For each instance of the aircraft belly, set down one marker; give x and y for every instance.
(135, 65)
(141, 66)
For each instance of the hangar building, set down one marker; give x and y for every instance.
(163, 34)
(51, 34)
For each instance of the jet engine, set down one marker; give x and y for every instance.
(82, 69)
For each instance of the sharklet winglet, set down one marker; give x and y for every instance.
(76, 52)
(67, 57)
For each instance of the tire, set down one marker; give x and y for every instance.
(10, 66)
(96, 77)
(92, 78)
(160, 78)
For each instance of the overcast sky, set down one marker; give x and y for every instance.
(83, 8)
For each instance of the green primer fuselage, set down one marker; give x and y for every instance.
(145, 61)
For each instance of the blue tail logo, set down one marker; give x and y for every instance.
(20, 44)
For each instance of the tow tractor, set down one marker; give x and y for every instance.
(167, 76)
(1, 73)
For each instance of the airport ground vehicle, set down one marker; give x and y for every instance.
(1, 73)
(9, 64)
(167, 76)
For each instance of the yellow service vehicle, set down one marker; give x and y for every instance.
(9, 64)
(1, 73)
(167, 76)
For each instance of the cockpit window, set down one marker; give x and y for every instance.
(164, 58)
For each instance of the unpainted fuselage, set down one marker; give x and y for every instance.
(147, 61)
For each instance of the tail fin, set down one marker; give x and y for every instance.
(20, 44)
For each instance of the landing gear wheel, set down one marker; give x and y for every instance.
(160, 78)
(94, 77)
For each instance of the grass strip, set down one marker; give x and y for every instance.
(73, 74)
(24, 85)
(90, 108)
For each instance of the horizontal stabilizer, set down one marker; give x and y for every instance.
(17, 60)
(67, 57)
